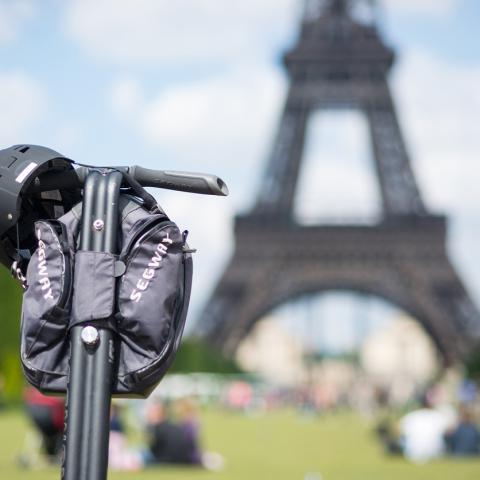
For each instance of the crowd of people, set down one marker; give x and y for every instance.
(171, 434)
(170, 438)
(431, 431)
(171, 430)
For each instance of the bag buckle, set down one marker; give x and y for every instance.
(185, 247)
(17, 273)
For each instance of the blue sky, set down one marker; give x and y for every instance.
(198, 85)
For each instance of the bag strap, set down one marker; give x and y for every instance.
(148, 200)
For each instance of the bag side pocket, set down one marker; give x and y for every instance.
(46, 304)
(149, 297)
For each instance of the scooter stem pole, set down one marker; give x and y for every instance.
(91, 364)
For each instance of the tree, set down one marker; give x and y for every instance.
(195, 356)
(10, 305)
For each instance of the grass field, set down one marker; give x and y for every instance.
(278, 446)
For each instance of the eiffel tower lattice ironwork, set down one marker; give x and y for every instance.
(340, 62)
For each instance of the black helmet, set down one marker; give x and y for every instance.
(19, 166)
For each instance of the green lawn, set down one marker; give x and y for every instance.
(276, 446)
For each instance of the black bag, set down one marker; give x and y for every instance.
(142, 294)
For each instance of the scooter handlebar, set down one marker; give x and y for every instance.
(184, 181)
(201, 183)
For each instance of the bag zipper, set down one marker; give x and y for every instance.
(126, 250)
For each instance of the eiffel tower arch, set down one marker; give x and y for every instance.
(340, 62)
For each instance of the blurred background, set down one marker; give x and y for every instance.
(321, 385)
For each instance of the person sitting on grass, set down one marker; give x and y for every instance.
(47, 414)
(422, 432)
(177, 442)
(168, 441)
(464, 440)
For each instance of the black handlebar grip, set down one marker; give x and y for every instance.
(183, 181)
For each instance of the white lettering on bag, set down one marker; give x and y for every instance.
(149, 273)
(43, 279)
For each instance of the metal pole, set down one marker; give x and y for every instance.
(89, 391)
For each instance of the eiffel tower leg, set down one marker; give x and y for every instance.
(400, 193)
(439, 301)
(278, 189)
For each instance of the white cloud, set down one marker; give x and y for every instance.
(180, 31)
(440, 104)
(125, 97)
(226, 120)
(188, 32)
(441, 8)
(220, 112)
(13, 15)
(21, 103)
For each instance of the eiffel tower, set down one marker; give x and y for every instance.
(340, 62)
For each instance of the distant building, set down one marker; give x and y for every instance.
(274, 353)
(400, 357)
